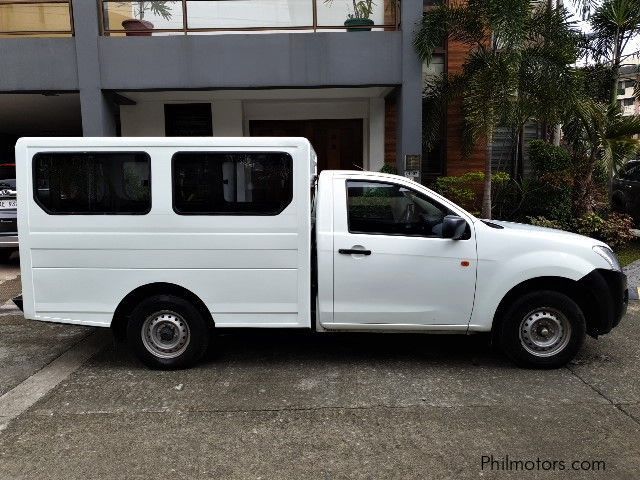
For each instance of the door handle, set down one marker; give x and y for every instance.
(354, 251)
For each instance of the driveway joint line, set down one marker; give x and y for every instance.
(599, 392)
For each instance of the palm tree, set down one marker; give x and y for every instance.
(517, 68)
(614, 23)
(598, 135)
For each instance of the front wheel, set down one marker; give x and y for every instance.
(167, 332)
(542, 329)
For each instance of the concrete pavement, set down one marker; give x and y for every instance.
(294, 406)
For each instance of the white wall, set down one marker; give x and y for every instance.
(231, 117)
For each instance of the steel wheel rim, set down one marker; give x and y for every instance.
(165, 334)
(545, 332)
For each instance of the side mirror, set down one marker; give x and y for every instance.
(453, 227)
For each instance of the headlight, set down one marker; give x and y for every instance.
(609, 256)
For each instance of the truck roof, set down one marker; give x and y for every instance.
(254, 142)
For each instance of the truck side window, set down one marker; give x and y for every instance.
(237, 183)
(391, 209)
(92, 183)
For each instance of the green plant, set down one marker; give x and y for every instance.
(362, 9)
(156, 7)
(388, 168)
(548, 193)
(518, 67)
(548, 223)
(613, 229)
(463, 189)
(599, 137)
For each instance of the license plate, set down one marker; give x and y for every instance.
(4, 204)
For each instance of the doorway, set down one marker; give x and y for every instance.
(338, 143)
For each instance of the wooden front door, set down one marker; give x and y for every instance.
(338, 143)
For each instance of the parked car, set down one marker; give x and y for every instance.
(164, 239)
(8, 211)
(625, 195)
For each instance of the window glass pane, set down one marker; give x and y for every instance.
(232, 183)
(385, 208)
(93, 183)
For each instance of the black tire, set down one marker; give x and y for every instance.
(171, 316)
(534, 320)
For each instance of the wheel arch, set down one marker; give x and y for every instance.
(576, 290)
(133, 298)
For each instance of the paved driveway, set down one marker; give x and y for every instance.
(293, 406)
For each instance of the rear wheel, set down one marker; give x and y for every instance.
(167, 332)
(542, 329)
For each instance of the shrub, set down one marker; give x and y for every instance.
(466, 190)
(388, 168)
(549, 191)
(547, 223)
(614, 229)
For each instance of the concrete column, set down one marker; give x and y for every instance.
(376, 135)
(98, 113)
(410, 98)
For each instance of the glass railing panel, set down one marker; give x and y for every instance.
(46, 19)
(142, 18)
(249, 14)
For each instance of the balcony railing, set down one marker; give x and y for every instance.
(36, 18)
(193, 17)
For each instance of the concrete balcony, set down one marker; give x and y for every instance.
(251, 61)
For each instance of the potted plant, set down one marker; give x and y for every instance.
(360, 19)
(138, 26)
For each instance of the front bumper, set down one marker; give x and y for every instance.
(607, 300)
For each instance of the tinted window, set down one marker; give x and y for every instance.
(232, 183)
(631, 172)
(188, 120)
(85, 183)
(386, 208)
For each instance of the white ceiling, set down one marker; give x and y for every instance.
(30, 114)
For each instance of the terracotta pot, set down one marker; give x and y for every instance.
(137, 28)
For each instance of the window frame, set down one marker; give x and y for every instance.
(88, 152)
(229, 214)
(384, 182)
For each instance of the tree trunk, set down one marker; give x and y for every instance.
(486, 194)
(557, 134)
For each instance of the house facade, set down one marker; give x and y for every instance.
(248, 67)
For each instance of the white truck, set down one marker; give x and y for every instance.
(166, 240)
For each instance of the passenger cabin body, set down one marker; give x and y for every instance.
(225, 219)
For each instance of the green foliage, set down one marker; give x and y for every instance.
(613, 228)
(547, 158)
(549, 191)
(388, 168)
(463, 190)
(518, 68)
(361, 8)
(156, 7)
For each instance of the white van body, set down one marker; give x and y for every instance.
(252, 271)
(301, 267)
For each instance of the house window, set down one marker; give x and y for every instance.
(188, 120)
(92, 183)
(212, 183)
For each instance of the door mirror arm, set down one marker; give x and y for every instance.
(454, 227)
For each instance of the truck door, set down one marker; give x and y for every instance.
(391, 267)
